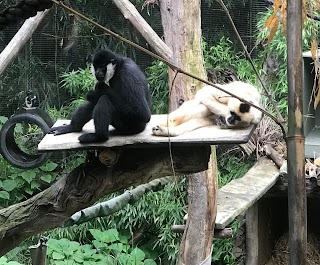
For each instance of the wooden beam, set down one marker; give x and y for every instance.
(20, 39)
(131, 13)
(206, 135)
(89, 182)
(238, 195)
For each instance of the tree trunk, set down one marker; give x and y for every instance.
(89, 182)
(181, 20)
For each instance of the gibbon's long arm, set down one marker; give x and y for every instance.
(185, 127)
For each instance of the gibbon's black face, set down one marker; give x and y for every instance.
(103, 66)
(240, 114)
(236, 114)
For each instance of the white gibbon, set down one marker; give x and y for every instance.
(212, 106)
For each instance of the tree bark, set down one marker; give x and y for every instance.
(196, 245)
(181, 21)
(20, 39)
(89, 182)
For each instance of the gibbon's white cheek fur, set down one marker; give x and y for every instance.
(111, 68)
(93, 71)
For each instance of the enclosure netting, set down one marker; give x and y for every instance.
(63, 43)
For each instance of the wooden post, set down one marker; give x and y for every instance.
(295, 139)
(20, 39)
(252, 239)
(196, 245)
(181, 21)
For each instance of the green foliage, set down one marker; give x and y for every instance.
(278, 49)
(16, 184)
(223, 55)
(77, 83)
(222, 248)
(151, 217)
(107, 247)
(5, 261)
(157, 75)
(232, 167)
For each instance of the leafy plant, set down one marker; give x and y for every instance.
(108, 247)
(17, 184)
(78, 82)
(223, 55)
(5, 261)
(157, 75)
(222, 253)
(277, 48)
(232, 167)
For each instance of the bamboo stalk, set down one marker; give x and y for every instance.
(295, 139)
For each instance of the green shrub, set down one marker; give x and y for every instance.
(107, 247)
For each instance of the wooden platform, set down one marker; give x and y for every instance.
(207, 135)
(238, 195)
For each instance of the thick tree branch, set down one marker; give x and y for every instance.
(89, 182)
(131, 13)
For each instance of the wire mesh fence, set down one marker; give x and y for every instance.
(63, 43)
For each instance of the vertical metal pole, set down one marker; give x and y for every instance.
(295, 139)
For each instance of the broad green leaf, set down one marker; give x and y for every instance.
(48, 167)
(3, 260)
(58, 256)
(111, 235)
(123, 259)
(116, 248)
(53, 244)
(97, 234)
(28, 190)
(4, 195)
(3, 119)
(149, 262)
(28, 176)
(34, 185)
(47, 178)
(138, 254)
(9, 184)
(13, 263)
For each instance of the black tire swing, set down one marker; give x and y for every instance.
(9, 148)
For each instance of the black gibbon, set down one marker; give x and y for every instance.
(212, 106)
(121, 98)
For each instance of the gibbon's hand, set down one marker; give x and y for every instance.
(61, 130)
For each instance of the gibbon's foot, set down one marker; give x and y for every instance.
(61, 130)
(91, 138)
(162, 131)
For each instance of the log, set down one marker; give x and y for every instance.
(20, 39)
(131, 13)
(91, 181)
